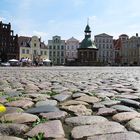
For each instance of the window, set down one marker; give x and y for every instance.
(62, 60)
(50, 47)
(62, 53)
(21, 43)
(68, 47)
(72, 54)
(41, 52)
(106, 40)
(58, 54)
(107, 46)
(57, 60)
(34, 44)
(45, 53)
(53, 53)
(107, 54)
(62, 47)
(35, 52)
(54, 47)
(27, 51)
(50, 53)
(23, 51)
(96, 40)
(58, 47)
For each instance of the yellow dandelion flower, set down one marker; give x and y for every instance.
(2, 108)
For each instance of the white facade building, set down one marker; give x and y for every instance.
(72, 45)
(57, 50)
(106, 51)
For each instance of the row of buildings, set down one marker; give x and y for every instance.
(104, 50)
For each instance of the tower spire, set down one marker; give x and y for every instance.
(88, 21)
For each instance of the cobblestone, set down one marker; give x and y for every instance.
(84, 93)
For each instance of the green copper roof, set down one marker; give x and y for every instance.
(87, 29)
(87, 43)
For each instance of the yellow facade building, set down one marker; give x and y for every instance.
(32, 48)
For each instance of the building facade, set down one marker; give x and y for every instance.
(72, 45)
(57, 50)
(87, 52)
(106, 51)
(33, 48)
(9, 48)
(118, 47)
(130, 50)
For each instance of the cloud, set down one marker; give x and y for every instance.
(92, 19)
(43, 35)
(2, 19)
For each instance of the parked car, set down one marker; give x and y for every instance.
(6, 64)
(14, 62)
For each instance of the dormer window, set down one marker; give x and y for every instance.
(21, 43)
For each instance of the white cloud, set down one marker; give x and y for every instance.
(134, 26)
(2, 19)
(43, 35)
(92, 20)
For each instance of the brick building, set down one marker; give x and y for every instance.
(9, 48)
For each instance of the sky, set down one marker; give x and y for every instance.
(67, 18)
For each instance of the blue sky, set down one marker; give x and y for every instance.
(68, 18)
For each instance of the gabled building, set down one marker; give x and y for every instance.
(33, 48)
(57, 50)
(9, 48)
(106, 51)
(130, 50)
(72, 45)
(118, 48)
(87, 52)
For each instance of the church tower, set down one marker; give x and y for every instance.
(87, 52)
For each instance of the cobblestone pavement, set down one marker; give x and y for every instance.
(70, 103)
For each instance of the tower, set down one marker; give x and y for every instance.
(87, 52)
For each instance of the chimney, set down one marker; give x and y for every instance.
(137, 35)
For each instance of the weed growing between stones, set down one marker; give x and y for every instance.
(94, 94)
(39, 121)
(74, 91)
(40, 136)
(51, 93)
(114, 98)
(2, 94)
(23, 92)
(10, 99)
(5, 121)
